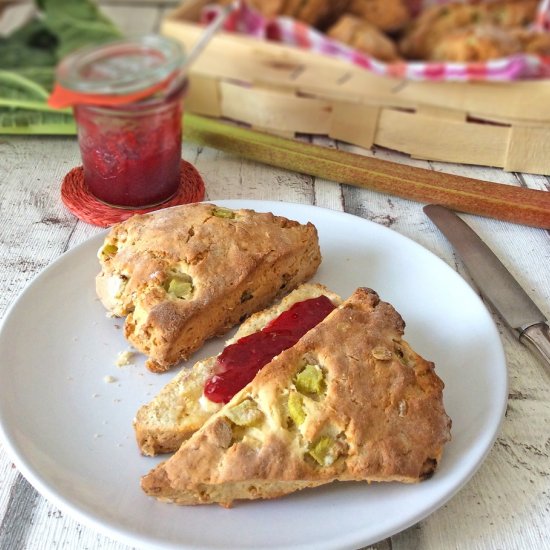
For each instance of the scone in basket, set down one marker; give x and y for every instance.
(468, 40)
(285, 76)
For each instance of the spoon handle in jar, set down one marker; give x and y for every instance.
(210, 31)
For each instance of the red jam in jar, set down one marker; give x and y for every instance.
(131, 152)
(239, 363)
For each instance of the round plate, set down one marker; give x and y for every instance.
(70, 430)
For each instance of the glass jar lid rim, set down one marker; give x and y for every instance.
(122, 66)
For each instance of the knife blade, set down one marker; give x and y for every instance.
(495, 282)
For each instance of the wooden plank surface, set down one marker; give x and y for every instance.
(507, 503)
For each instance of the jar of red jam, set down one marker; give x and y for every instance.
(127, 98)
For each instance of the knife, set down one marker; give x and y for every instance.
(495, 282)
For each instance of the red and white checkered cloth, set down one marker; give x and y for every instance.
(291, 32)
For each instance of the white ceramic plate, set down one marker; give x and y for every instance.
(70, 432)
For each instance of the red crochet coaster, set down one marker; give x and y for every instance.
(85, 206)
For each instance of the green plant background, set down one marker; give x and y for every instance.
(29, 55)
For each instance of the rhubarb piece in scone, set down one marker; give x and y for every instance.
(183, 405)
(185, 274)
(350, 401)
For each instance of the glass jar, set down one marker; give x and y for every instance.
(131, 151)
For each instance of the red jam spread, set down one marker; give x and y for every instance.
(238, 364)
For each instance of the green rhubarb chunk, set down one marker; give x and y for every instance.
(109, 250)
(223, 213)
(321, 450)
(310, 379)
(180, 287)
(245, 413)
(296, 408)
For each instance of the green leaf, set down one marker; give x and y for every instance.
(77, 24)
(32, 45)
(17, 86)
(41, 76)
(24, 121)
(29, 57)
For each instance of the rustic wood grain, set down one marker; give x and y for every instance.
(38, 230)
(19, 514)
(507, 503)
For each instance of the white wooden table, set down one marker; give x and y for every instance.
(507, 503)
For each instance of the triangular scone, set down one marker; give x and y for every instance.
(188, 273)
(350, 401)
(180, 408)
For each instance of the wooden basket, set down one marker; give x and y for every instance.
(286, 91)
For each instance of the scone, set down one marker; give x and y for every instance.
(433, 23)
(533, 42)
(182, 407)
(510, 13)
(317, 13)
(364, 37)
(350, 401)
(472, 44)
(386, 15)
(185, 274)
(436, 22)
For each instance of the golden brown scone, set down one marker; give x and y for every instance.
(386, 15)
(471, 44)
(534, 42)
(364, 37)
(436, 22)
(317, 13)
(185, 274)
(433, 23)
(180, 408)
(510, 13)
(350, 401)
